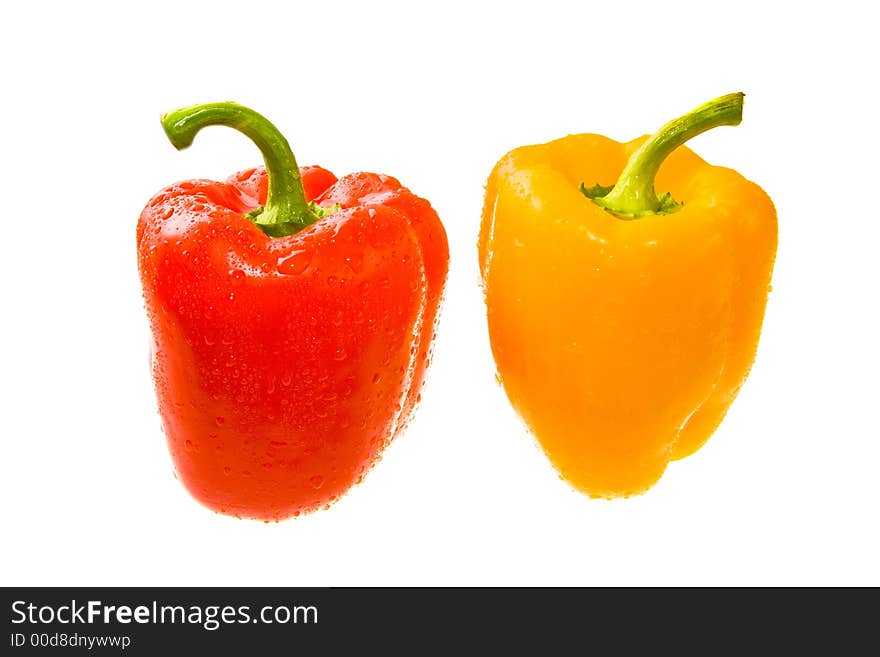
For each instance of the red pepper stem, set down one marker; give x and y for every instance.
(633, 195)
(286, 210)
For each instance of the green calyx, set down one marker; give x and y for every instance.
(286, 210)
(633, 195)
(273, 228)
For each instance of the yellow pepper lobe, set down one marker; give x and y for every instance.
(621, 342)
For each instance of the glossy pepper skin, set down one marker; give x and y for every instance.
(284, 365)
(622, 337)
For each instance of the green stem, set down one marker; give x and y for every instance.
(633, 195)
(286, 210)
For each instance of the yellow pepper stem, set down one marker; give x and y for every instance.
(633, 195)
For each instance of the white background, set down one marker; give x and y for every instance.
(785, 493)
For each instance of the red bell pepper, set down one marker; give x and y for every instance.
(292, 317)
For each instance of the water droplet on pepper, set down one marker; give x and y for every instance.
(294, 264)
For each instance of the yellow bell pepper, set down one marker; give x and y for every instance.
(624, 323)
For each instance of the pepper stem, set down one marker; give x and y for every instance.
(633, 195)
(286, 210)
